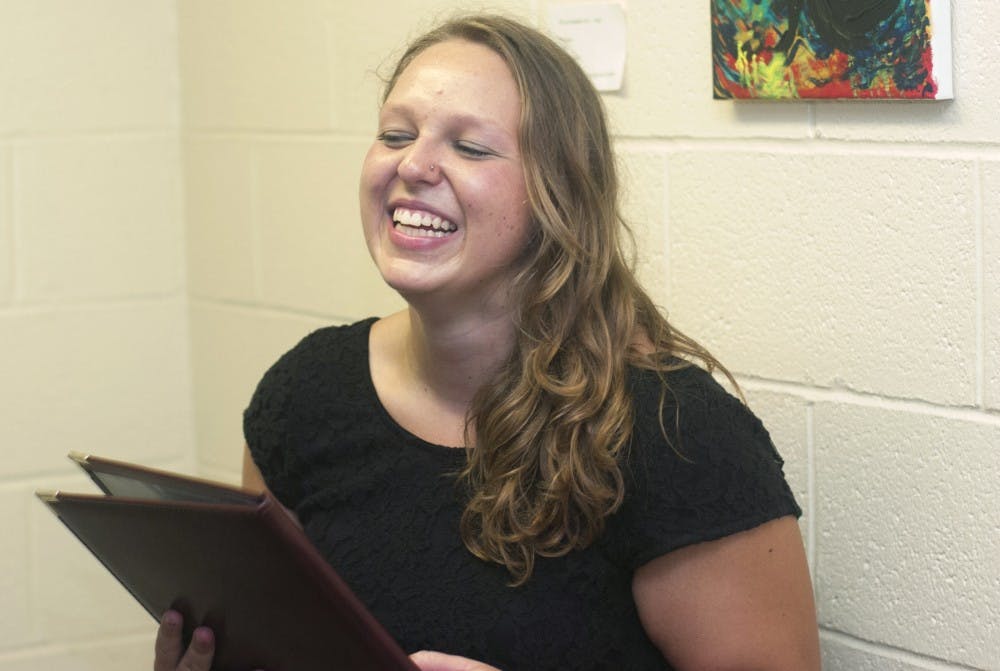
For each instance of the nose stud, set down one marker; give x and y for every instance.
(433, 167)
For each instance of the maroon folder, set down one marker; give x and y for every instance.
(230, 559)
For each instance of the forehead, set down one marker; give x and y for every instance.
(470, 76)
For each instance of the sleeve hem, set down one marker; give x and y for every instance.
(714, 533)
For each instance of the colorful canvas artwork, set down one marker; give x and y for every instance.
(790, 49)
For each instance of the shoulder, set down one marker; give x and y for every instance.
(326, 361)
(700, 466)
(324, 371)
(329, 347)
(688, 406)
(343, 341)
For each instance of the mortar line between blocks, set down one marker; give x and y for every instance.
(815, 394)
(892, 652)
(271, 310)
(7, 189)
(329, 40)
(807, 145)
(35, 624)
(811, 489)
(256, 222)
(93, 303)
(980, 235)
(39, 648)
(89, 135)
(17, 251)
(665, 223)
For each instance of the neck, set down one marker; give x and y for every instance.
(455, 355)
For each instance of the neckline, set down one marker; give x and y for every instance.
(387, 419)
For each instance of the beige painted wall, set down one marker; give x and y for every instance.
(94, 342)
(843, 259)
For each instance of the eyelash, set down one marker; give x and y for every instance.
(393, 139)
(472, 151)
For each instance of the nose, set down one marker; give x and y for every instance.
(420, 164)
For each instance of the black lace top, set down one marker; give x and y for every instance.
(382, 507)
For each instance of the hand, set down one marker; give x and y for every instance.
(169, 646)
(438, 661)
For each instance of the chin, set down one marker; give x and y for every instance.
(406, 285)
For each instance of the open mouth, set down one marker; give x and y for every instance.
(421, 224)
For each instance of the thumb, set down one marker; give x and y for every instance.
(427, 660)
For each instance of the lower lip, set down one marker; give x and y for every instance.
(405, 241)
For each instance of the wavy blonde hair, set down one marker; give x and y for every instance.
(552, 426)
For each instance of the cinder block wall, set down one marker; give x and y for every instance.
(94, 343)
(842, 259)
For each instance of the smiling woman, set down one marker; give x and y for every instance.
(525, 467)
(443, 198)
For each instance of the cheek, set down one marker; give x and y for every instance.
(376, 170)
(501, 198)
(373, 184)
(371, 203)
(519, 219)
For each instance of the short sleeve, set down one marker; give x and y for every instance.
(268, 421)
(707, 470)
(308, 396)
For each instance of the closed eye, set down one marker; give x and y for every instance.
(394, 139)
(472, 150)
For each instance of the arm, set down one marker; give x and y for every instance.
(252, 479)
(734, 604)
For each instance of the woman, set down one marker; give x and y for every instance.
(613, 507)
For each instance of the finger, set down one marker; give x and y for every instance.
(169, 645)
(427, 660)
(199, 654)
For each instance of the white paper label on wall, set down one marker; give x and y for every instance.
(595, 34)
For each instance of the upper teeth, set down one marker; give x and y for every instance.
(422, 220)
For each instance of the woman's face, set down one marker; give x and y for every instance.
(443, 198)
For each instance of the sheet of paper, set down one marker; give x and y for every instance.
(594, 32)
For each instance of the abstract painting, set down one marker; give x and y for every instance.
(792, 49)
